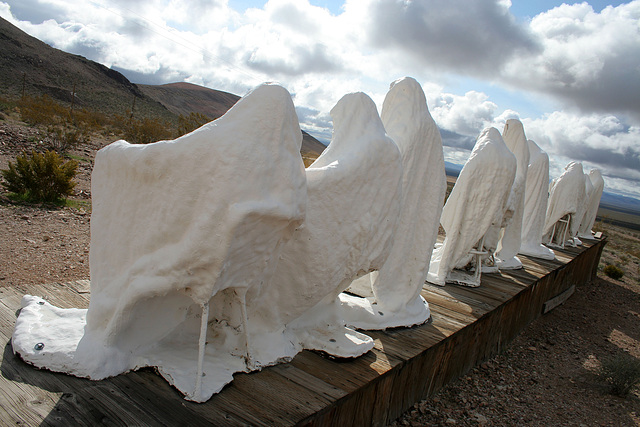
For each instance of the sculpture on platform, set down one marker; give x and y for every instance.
(535, 204)
(207, 256)
(391, 297)
(354, 194)
(593, 201)
(476, 203)
(566, 204)
(182, 232)
(511, 233)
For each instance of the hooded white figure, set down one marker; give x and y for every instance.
(394, 291)
(584, 231)
(181, 231)
(566, 201)
(354, 193)
(584, 206)
(476, 202)
(511, 234)
(535, 204)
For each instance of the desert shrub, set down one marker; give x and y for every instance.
(614, 272)
(91, 120)
(63, 138)
(6, 105)
(191, 122)
(42, 111)
(142, 131)
(621, 372)
(40, 177)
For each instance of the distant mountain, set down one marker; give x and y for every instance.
(451, 169)
(186, 98)
(29, 64)
(26, 62)
(622, 203)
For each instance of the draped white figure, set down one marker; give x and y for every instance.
(392, 294)
(511, 233)
(181, 232)
(566, 204)
(354, 194)
(589, 218)
(535, 204)
(477, 202)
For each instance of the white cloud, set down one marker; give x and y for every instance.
(588, 59)
(596, 138)
(467, 114)
(470, 36)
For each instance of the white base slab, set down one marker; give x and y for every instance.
(509, 264)
(365, 313)
(540, 251)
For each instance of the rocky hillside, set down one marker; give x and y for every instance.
(29, 65)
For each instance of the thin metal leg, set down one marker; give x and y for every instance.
(202, 342)
(242, 296)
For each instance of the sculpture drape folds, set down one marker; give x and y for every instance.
(511, 233)
(589, 218)
(355, 189)
(181, 232)
(477, 202)
(394, 291)
(535, 204)
(566, 203)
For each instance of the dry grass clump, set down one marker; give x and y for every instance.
(621, 373)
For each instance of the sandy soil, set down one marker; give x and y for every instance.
(545, 377)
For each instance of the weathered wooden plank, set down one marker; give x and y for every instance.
(468, 299)
(347, 375)
(557, 300)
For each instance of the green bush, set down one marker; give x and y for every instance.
(621, 372)
(40, 177)
(614, 272)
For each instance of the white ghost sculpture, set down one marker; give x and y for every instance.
(476, 202)
(392, 294)
(354, 194)
(589, 218)
(511, 235)
(535, 204)
(566, 204)
(181, 231)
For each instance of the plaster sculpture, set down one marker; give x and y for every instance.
(476, 202)
(391, 296)
(354, 194)
(588, 190)
(535, 204)
(589, 218)
(511, 234)
(183, 232)
(566, 200)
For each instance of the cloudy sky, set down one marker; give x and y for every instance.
(570, 72)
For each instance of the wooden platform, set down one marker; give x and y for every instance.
(406, 365)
